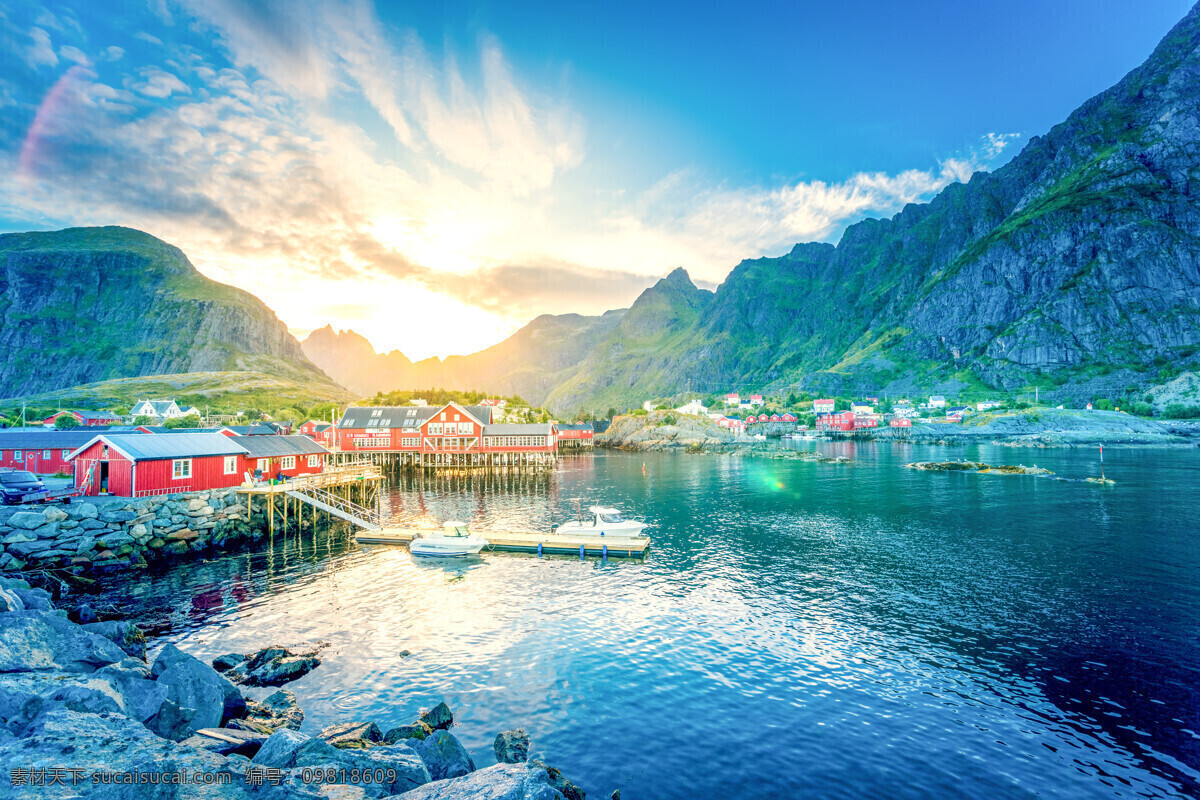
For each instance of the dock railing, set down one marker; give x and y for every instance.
(337, 505)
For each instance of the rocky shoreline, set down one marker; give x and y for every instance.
(83, 713)
(115, 534)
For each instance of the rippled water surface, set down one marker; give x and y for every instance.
(799, 629)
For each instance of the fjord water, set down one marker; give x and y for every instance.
(799, 629)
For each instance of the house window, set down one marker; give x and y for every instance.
(46, 455)
(465, 427)
(65, 454)
(377, 412)
(17, 455)
(230, 465)
(435, 429)
(264, 464)
(181, 468)
(409, 441)
(314, 461)
(287, 462)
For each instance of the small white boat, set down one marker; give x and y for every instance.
(601, 521)
(452, 540)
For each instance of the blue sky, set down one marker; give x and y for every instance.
(392, 167)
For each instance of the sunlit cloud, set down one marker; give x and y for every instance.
(345, 175)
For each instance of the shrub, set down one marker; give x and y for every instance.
(1103, 404)
(669, 419)
(66, 421)
(1180, 411)
(639, 412)
(190, 421)
(1141, 409)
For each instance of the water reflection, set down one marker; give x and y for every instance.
(825, 630)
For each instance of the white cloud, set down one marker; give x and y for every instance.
(113, 53)
(40, 53)
(71, 53)
(264, 173)
(157, 83)
(996, 142)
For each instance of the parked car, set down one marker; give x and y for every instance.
(16, 485)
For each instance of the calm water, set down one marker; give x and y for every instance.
(800, 630)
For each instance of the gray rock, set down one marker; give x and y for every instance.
(111, 541)
(114, 743)
(142, 698)
(418, 730)
(352, 734)
(92, 525)
(35, 599)
(82, 511)
(204, 698)
(281, 671)
(54, 514)
(498, 782)
(410, 771)
(35, 640)
(438, 717)
(512, 747)
(117, 516)
(48, 531)
(9, 601)
(18, 536)
(27, 520)
(125, 635)
(227, 662)
(95, 697)
(280, 748)
(27, 549)
(443, 755)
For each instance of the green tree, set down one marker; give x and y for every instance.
(1103, 404)
(142, 419)
(190, 421)
(65, 422)
(322, 411)
(792, 400)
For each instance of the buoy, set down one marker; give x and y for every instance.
(539, 549)
(581, 552)
(604, 552)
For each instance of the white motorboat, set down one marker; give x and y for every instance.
(452, 540)
(601, 521)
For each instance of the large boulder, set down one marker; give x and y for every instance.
(107, 743)
(203, 698)
(27, 520)
(277, 665)
(278, 710)
(291, 750)
(438, 717)
(352, 734)
(498, 782)
(443, 755)
(512, 747)
(9, 601)
(35, 599)
(417, 730)
(227, 741)
(125, 635)
(35, 640)
(82, 511)
(142, 698)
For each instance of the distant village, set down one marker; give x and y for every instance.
(825, 414)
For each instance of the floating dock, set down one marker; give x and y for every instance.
(525, 541)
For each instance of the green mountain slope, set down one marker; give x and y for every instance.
(90, 304)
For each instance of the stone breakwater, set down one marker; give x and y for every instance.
(114, 534)
(83, 714)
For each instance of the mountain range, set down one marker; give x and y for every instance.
(1075, 266)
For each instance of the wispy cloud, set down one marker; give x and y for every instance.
(445, 201)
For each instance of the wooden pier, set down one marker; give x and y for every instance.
(350, 493)
(448, 460)
(525, 542)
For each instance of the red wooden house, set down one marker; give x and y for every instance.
(287, 455)
(865, 422)
(452, 428)
(789, 417)
(42, 452)
(840, 421)
(140, 465)
(86, 418)
(900, 422)
(323, 432)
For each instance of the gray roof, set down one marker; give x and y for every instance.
(519, 429)
(251, 430)
(275, 446)
(46, 438)
(573, 426)
(159, 407)
(402, 416)
(143, 447)
(165, 429)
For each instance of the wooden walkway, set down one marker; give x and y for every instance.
(526, 542)
(350, 493)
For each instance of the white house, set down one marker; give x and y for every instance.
(986, 404)
(732, 399)
(757, 400)
(937, 401)
(694, 407)
(161, 409)
(862, 409)
(192, 411)
(823, 406)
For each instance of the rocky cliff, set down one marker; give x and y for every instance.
(88, 304)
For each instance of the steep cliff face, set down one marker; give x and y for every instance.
(1080, 256)
(529, 363)
(89, 304)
